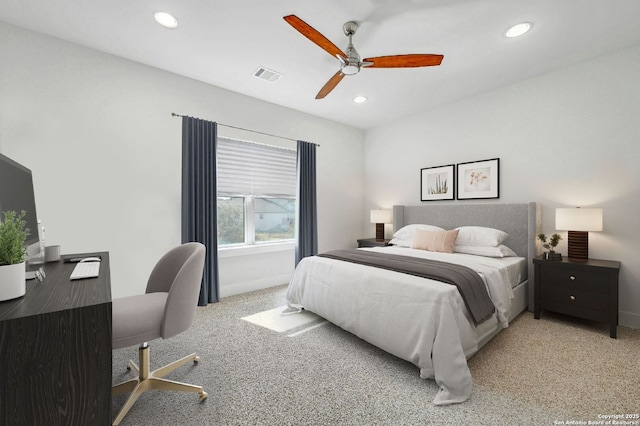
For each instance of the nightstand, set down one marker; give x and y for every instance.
(586, 290)
(372, 242)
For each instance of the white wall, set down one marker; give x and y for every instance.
(85, 121)
(565, 139)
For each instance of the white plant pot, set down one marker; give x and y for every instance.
(12, 281)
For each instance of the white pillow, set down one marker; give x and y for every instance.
(402, 242)
(409, 230)
(480, 236)
(404, 236)
(499, 251)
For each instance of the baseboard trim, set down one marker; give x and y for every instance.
(248, 286)
(629, 319)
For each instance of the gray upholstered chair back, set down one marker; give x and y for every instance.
(179, 273)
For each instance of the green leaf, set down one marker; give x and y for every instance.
(13, 234)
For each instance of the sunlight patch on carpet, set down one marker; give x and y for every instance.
(273, 319)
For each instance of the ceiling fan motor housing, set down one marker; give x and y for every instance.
(352, 65)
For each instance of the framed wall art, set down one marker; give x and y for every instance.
(437, 183)
(479, 179)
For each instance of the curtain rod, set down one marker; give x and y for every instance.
(173, 114)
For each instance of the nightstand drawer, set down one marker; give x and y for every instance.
(592, 280)
(572, 297)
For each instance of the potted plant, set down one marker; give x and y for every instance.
(551, 246)
(13, 234)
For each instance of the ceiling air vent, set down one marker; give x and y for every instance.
(268, 75)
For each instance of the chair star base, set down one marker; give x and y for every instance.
(150, 380)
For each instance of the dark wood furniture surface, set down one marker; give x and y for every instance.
(55, 350)
(372, 242)
(586, 290)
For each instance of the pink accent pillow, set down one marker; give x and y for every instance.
(440, 241)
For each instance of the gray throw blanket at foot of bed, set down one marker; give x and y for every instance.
(469, 284)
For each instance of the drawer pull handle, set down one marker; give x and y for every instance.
(572, 297)
(572, 278)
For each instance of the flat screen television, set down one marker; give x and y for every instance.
(17, 194)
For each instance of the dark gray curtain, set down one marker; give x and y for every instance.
(199, 198)
(307, 212)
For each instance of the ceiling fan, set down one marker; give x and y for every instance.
(350, 61)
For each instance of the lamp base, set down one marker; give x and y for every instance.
(578, 246)
(379, 231)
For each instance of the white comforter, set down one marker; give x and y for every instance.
(419, 320)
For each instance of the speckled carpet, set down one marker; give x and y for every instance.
(536, 372)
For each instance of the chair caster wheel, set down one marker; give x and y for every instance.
(196, 360)
(203, 395)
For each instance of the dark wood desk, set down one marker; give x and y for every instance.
(55, 350)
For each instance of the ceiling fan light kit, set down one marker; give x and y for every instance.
(351, 62)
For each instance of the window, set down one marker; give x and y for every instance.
(256, 193)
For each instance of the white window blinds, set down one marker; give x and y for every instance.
(246, 168)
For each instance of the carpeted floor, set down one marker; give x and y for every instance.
(536, 372)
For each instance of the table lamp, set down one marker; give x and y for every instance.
(380, 217)
(578, 222)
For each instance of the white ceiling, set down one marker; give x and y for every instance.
(223, 42)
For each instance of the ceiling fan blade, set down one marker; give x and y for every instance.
(331, 84)
(312, 34)
(404, 61)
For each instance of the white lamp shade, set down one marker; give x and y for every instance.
(579, 219)
(380, 216)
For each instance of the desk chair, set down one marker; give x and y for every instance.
(167, 308)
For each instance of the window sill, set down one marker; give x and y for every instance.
(255, 249)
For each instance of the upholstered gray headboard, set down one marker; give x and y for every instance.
(522, 221)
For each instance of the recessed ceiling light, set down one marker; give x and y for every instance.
(518, 29)
(165, 19)
(359, 99)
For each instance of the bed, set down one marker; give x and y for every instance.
(426, 322)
